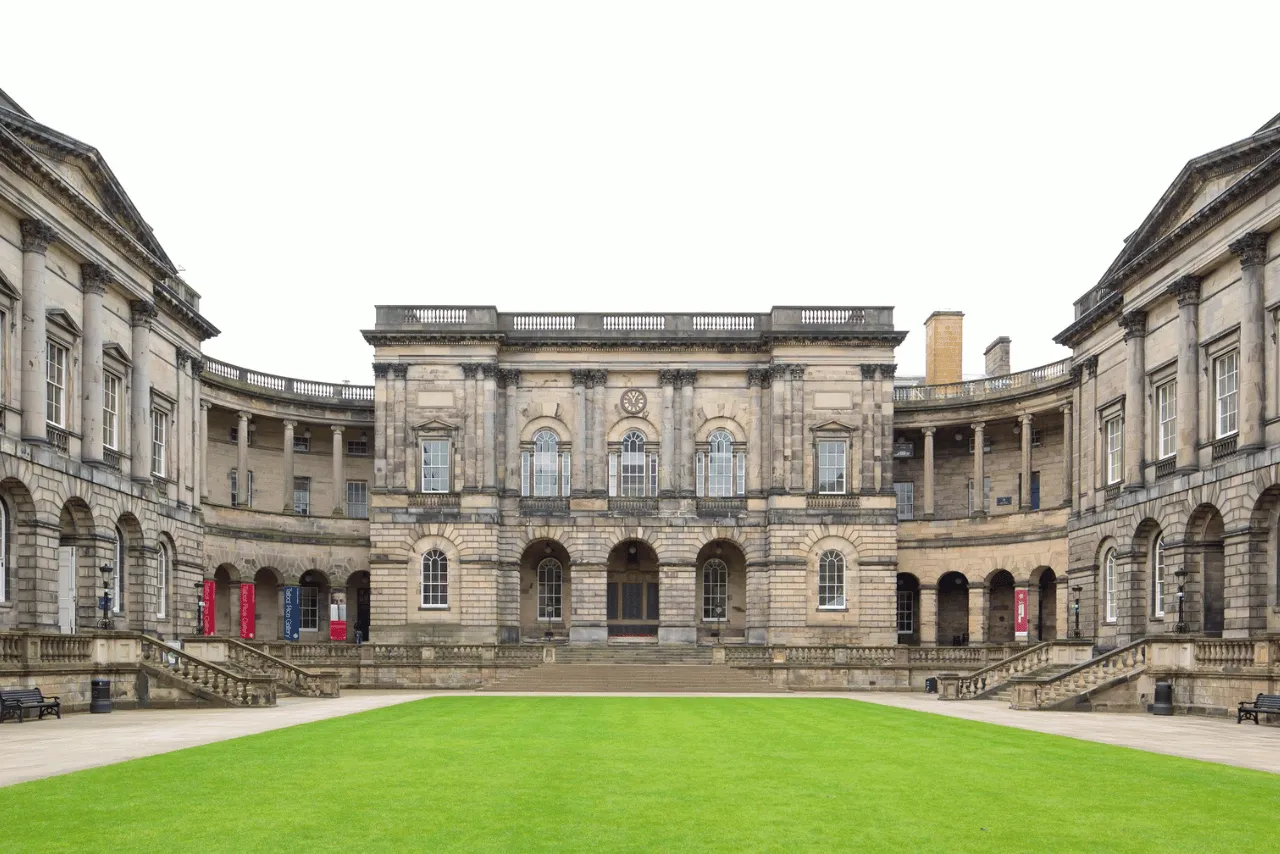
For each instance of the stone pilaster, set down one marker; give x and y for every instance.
(866, 432)
(36, 239)
(94, 279)
(243, 496)
(777, 429)
(928, 474)
(1024, 494)
(1090, 473)
(198, 431)
(381, 440)
(928, 615)
(599, 426)
(286, 485)
(1252, 252)
(339, 471)
(796, 378)
(489, 406)
(1068, 447)
(397, 455)
(1187, 291)
(204, 449)
(1134, 324)
(511, 384)
(588, 623)
(687, 478)
(884, 436)
(578, 463)
(677, 604)
(668, 448)
(470, 427)
(144, 314)
(756, 378)
(979, 473)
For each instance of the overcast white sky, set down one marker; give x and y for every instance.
(304, 162)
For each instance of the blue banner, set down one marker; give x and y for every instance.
(292, 612)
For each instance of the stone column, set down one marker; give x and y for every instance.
(600, 451)
(198, 430)
(677, 605)
(884, 408)
(979, 506)
(511, 380)
(788, 439)
(755, 381)
(243, 496)
(469, 427)
(977, 613)
(1252, 252)
(287, 485)
(381, 442)
(797, 428)
(777, 434)
(866, 442)
(928, 473)
(489, 482)
(688, 481)
(578, 463)
(1089, 434)
(589, 623)
(204, 449)
(667, 486)
(36, 239)
(182, 422)
(339, 472)
(93, 284)
(397, 455)
(928, 615)
(1187, 291)
(1067, 449)
(144, 313)
(1134, 324)
(1024, 494)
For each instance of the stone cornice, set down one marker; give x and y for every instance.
(183, 313)
(399, 338)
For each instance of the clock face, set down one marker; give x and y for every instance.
(633, 401)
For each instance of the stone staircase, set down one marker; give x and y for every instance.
(289, 678)
(1005, 692)
(1047, 658)
(1074, 687)
(203, 679)
(633, 669)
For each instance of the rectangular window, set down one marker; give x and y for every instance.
(653, 475)
(719, 473)
(1167, 416)
(111, 411)
(986, 495)
(309, 600)
(546, 473)
(1157, 581)
(159, 436)
(1226, 381)
(301, 443)
(699, 474)
(1109, 584)
(635, 472)
(831, 581)
(613, 475)
(1035, 490)
(906, 500)
(906, 612)
(357, 499)
(357, 447)
(236, 499)
(302, 496)
(1113, 432)
(55, 397)
(831, 467)
(435, 465)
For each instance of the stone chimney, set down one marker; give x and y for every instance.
(943, 347)
(997, 355)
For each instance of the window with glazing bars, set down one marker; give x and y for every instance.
(302, 496)
(1109, 584)
(831, 580)
(1157, 579)
(301, 443)
(435, 465)
(238, 500)
(986, 495)
(111, 411)
(715, 591)
(162, 580)
(1167, 413)
(906, 491)
(634, 468)
(1226, 380)
(720, 464)
(831, 466)
(309, 602)
(906, 612)
(357, 447)
(546, 464)
(1114, 430)
(550, 589)
(435, 580)
(55, 384)
(358, 499)
(159, 434)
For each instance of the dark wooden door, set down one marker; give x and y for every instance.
(632, 600)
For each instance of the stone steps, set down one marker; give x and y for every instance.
(634, 654)
(1005, 692)
(630, 678)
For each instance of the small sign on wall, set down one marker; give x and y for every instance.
(1020, 613)
(1004, 500)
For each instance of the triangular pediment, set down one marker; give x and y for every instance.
(61, 318)
(834, 425)
(116, 352)
(7, 289)
(435, 425)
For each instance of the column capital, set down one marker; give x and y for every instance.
(381, 369)
(470, 370)
(581, 377)
(797, 371)
(888, 371)
(868, 371)
(509, 377)
(197, 365)
(489, 370)
(1090, 365)
(928, 431)
(757, 377)
(244, 416)
(600, 377)
(184, 356)
(399, 370)
(94, 278)
(289, 425)
(1134, 324)
(1026, 419)
(143, 312)
(1250, 249)
(1186, 289)
(37, 236)
(337, 428)
(978, 426)
(206, 405)
(672, 378)
(1065, 409)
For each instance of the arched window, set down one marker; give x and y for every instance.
(715, 591)
(435, 580)
(720, 464)
(831, 580)
(4, 552)
(1157, 578)
(1109, 584)
(634, 465)
(546, 463)
(550, 589)
(162, 579)
(117, 592)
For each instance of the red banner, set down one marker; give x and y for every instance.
(1020, 613)
(210, 595)
(337, 630)
(246, 611)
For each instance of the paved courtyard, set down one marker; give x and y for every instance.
(45, 749)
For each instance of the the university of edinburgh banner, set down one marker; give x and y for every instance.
(292, 612)
(210, 596)
(337, 630)
(246, 611)
(1020, 613)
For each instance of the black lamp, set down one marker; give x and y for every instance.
(1181, 575)
(107, 571)
(1076, 605)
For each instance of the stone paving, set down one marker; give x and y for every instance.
(44, 749)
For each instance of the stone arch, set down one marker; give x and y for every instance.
(907, 608)
(620, 428)
(1205, 565)
(721, 422)
(21, 550)
(953, 609)
(1263, 561)
(546, 422)
(359, 587)
(720, 596)
(1138, 578)
(632, 588)
(999, 607)
(1107, 585)
(268, 604)
(427, 601)
(136, 595)
(226, 600)
(752, 548)
(166, 577)
(1044, 596)
(818, 564)
(546, 589)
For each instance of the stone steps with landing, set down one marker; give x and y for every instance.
(632, 654)
(1005, 693)
(633, 678)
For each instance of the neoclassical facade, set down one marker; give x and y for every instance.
(734, 478)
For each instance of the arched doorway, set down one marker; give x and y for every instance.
(267, 610)
(545, 590)
(1205, 533)
(1000, 622)
(722, 591)
(359, 605)
(76, 525)
(631, 592)
(226, 601)
(908, 609)
(953, 610)
(1047, 605)
(313, 595)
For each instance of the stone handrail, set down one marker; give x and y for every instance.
(311, 389)
(1048, 691)
(294, 679)
(992, 678)
(1225, 653)
(990, 387)
(206, 680)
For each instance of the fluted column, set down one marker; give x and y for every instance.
(599, 427)
(1024, 493)
(755, 381)
(339, 472)
(1134, 324)
(667, 449)
(797, 428)
(979, 472)
(144, 314)
(1067, 448)
(688, 481)
(93, 285)
(511, 381)
(489, 482)
(928, 471)
(1187, 291)
(578, 462)
(381, 441)
(243, 496)
(204, 449)
(777, 429)
(287, 484)
(36, 239)
(1252, 252)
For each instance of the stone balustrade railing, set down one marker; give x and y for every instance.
(984, 389)
(66, 649)
(204, 679)
(292, 678)
(1226, 653)
(1107, 669)
(343, 393)
(994, 677)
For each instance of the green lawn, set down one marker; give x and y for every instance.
(647, 774)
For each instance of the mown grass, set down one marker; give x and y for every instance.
(647, 774)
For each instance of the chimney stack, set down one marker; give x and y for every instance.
(997, 355)
(943, 347)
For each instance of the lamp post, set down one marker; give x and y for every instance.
(200, 608)
(1076, 606)
(1181, 575)
(105, 601)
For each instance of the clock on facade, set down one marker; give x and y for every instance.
(633, 401)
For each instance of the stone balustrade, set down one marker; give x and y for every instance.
(989, 388)
(204, 679)
(245, 658)
(258, 381)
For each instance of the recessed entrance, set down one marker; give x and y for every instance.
(631, 592)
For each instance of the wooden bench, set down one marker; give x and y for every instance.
(1264, 704)
(16, 702)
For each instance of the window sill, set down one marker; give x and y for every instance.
(826, 609)
(433, 607)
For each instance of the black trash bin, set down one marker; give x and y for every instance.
(100, 696)
(1164, 698)
(931, 685)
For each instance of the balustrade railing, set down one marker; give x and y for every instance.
(634, 506)
(721, 506)
(1225, 653)
(544, 506)
(59, 439)
(992, 678)
(202, 677)
(111, 459)
(1045, 375)
(334, 392)
(833, 502)
(66, 649)
(1224, 448)
(293, 678)
(1079, 680)
(11, 649)
(434, 499)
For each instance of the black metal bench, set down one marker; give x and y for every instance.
(16, 702)
(1264, 704)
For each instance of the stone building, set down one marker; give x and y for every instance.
(736, 478)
